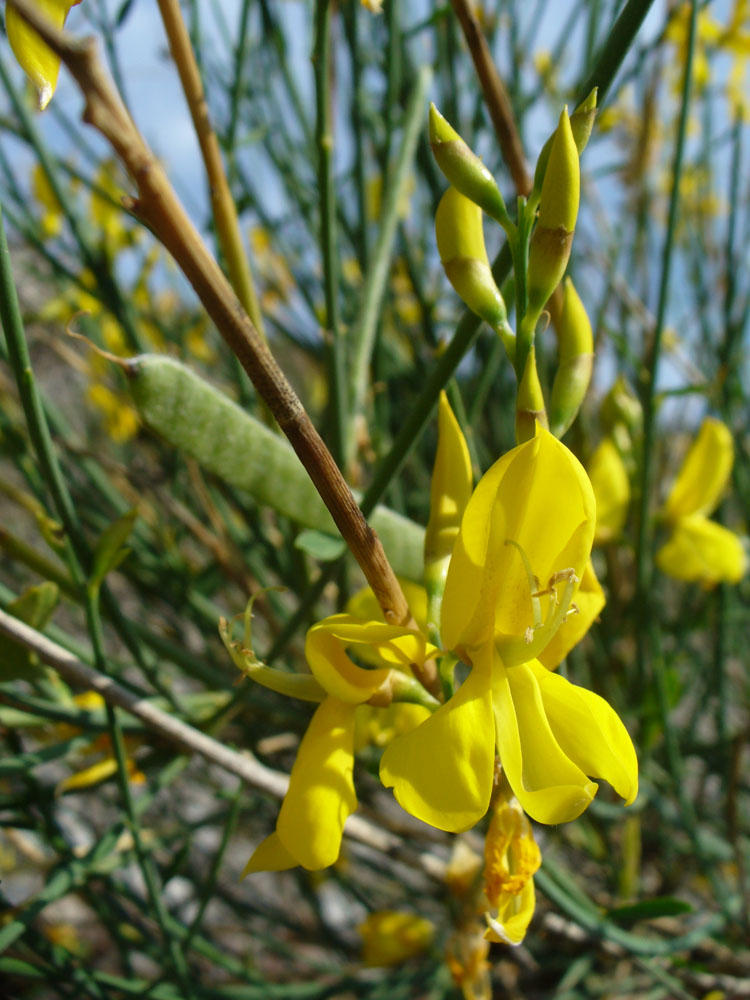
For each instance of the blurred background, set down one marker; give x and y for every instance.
(108, 896)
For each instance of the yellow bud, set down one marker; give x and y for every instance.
(529, 402)
(609, 480)
(558, 205)
(450, 490)
(460, 240)
(622, 406)
(463, 168)
(581, 125)
(576, 358)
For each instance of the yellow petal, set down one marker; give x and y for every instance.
(441, 772)
(549, 785)
(37, 60)
(589, 731)
(702, 551)
(325, 649)
(611, 486)
(321, 789)
(704, 473)
(538, 497)
(269, 856)
(450, 488)
(589, 601)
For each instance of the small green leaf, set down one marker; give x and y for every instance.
(34, 607)
(320, 546)
(110, 549)
(649, 909)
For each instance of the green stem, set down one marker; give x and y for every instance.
(328, 226)
(644, 569)
(363, 332)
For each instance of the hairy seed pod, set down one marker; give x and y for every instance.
(231, 444)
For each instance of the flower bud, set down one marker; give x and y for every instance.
(581, 125)
(464, 169)
(558, 209)
(576, 358)
(622, 406)
(460, 240)
(529, 401)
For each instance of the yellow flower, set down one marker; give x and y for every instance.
(37, 60)
(511, 858)
(611, 486)
(321, 788)
(699, 550)
(52, 217)
(530, 519)
(390, 937)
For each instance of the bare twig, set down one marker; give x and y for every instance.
(222, 203)
(243, 764)
(495, 96)
(159, 208)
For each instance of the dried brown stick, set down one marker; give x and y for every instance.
(495, 96)
(243, 764)
(159, 208)
(222, 203)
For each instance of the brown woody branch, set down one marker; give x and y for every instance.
(158, 206)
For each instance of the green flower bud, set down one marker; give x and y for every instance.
(464, 169)
(460, 240)
(530, 407)
(558, 209)
(622, 406)
(581, 125)
(576, 359)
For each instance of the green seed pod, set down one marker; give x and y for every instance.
(529, 401)
(576, 359)
(231, 444)
(460, 240)
(464, 169)
(558, 210)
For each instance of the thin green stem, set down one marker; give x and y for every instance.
(644, 569)
(328, 224)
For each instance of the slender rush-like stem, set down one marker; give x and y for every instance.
(363, 331)
(644, 568)
(222, 203)
(495, 96)
(160, 209)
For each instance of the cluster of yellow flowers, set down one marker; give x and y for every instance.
(531, 518)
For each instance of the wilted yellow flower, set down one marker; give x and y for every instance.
(390, 937)
(511, 857)
(700, 550)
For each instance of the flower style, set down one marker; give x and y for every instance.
(530, 519)
(321, 791)
(699, 550)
